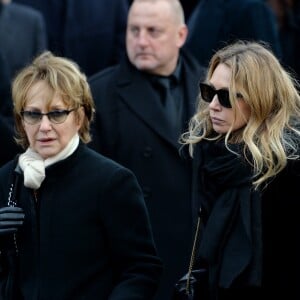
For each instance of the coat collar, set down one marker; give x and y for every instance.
(131, 82)
(147, 106)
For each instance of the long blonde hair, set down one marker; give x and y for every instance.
(271, 135)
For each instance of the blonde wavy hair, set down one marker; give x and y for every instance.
(271, 136)
(62, 75)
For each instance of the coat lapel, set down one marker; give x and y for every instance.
(137, 93)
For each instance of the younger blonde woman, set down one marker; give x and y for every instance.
(245, 142)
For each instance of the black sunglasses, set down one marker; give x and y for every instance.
(54, 116)
(208, 92)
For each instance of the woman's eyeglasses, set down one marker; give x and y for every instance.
(54, 116)
(208, 92)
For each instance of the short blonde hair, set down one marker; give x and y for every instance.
(62, 75)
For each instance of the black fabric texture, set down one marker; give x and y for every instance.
(231, 243)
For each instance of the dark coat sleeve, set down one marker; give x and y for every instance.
(8, 147)
(281, 224)
(128, 228)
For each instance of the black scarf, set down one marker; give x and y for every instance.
(231, 241)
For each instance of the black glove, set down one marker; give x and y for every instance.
(11, 218)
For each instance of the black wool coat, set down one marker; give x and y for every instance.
(86, 233)
(270, 215)
(131, 128)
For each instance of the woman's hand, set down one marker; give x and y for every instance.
(11, 218)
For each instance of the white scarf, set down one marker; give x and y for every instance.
(33, 165)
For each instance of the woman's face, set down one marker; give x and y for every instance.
(46, 137)
(223, 118)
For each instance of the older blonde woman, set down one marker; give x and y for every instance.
(245, 138)
(79, 228)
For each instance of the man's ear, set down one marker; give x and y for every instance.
(182, 35)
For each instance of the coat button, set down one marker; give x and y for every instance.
(147, 153)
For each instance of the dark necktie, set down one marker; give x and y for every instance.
(169, 103)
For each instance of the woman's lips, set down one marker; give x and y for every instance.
(216, 120)
(47, 140)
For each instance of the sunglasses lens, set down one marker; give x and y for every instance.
(208, 93)
(31, 117)
(58, 116)
(223, 97)
(54, 116)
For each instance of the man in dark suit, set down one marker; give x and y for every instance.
(22, 34)
(90, 32)
(134, 124)
(215, 23)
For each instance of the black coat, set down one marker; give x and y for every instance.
(22, 35)
(259, 244)
(86, 233)
(132, 129)
(90, 32)
(214, 23)
(281, 241)
(8, 147)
